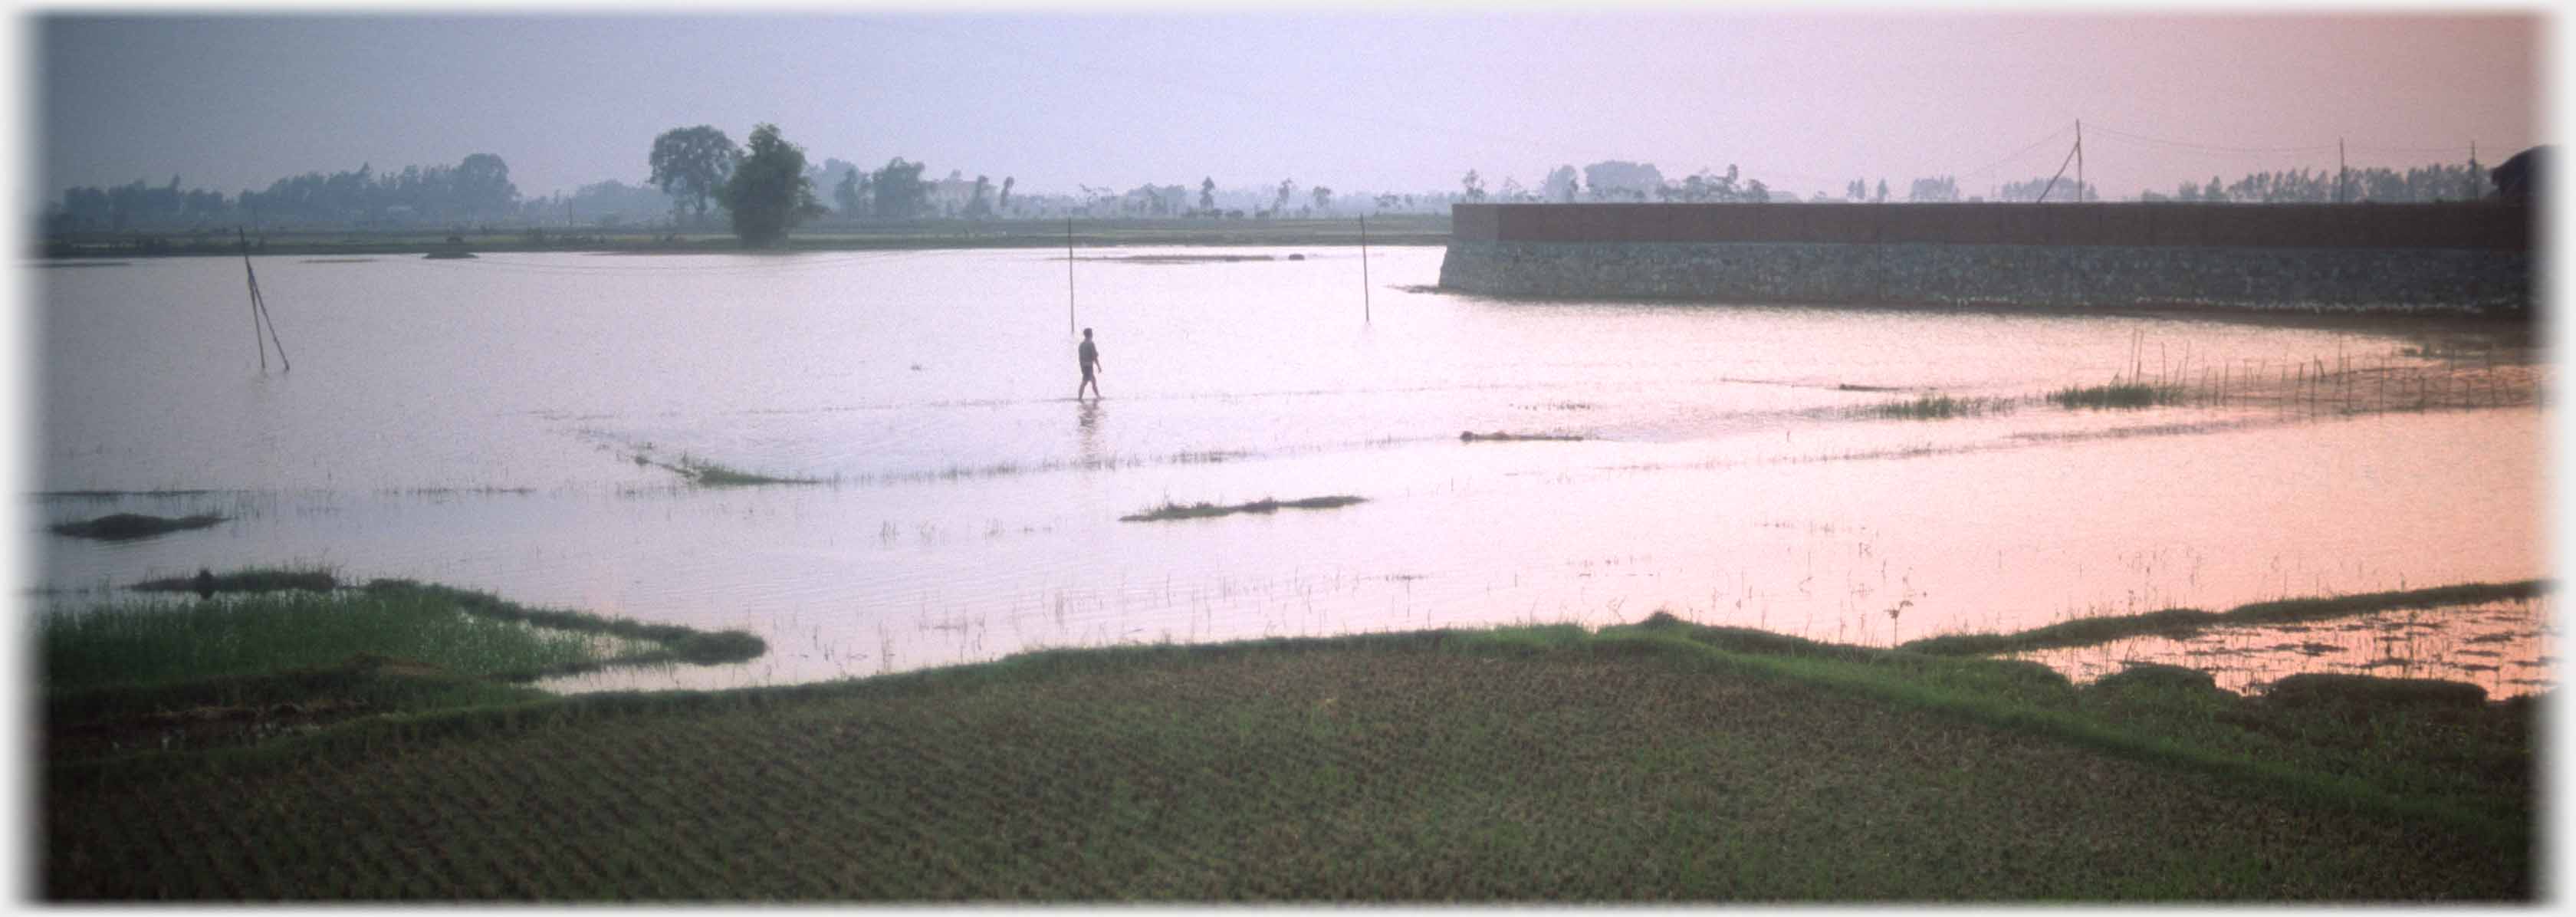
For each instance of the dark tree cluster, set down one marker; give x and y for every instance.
(477, 188)
(768, 191)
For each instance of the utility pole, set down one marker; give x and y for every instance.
(1068, 276)
(1364, 281)
(2343, 172)
(2079, 160)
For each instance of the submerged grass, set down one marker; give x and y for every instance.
(1169, 511)
(1937, 406)
(1471, 436)
(1661, 761)
(711, 474)
(2116, 395)
(2183, 622)
(129, 526)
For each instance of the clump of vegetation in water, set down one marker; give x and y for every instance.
(2116, 395)
(253, 579)
(710, 474)
(129, 526)
(1472, 436)
(1264, 505)
(1937, 406)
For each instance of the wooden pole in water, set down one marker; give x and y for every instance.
(1068, 275)
(1364, 281)
(259, 311)
(255, 342)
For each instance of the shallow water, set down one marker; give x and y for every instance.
(510, 424)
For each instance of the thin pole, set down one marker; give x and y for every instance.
(259, 314)
(254, 300)
(2079, 160)
(1068, 275)
(285, 364)
(1364, 281)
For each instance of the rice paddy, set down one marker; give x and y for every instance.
(1652, 762)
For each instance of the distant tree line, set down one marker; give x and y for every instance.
(2423, 184)
(477, 188)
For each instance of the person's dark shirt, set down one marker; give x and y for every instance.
(1089, 355)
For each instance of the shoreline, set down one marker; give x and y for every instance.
(1391, 230)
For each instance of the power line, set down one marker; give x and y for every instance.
(2016, 154)
(2184, 144)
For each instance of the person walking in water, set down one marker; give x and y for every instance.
(1089, 356)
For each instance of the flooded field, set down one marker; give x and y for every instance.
(527, 424)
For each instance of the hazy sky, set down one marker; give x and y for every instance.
(1349, 100)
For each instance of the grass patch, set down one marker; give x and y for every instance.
(2184, 622)
(1649, 762)
(2115, 395)
(245, 668)
(253, 579)
(1936, 406)
(674, 641)
(130, 526)
(1472, 436)
(157, 641)
(1169, 511)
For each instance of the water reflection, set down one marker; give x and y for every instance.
(440, 430)
(1087, 418)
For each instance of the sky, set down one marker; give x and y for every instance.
(1406, 102)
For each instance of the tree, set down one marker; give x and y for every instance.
(1323, 198)
(768, 192)
(976, 206)
(1882, 191)
(1561, 185)
(1512, 190)
(691, 164)
(1475, 186)
(846, 193)
(1858, 190)
(1005, 204)
(1621, 180)
(1287, 187)
(1207, 193)
(900, 193)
